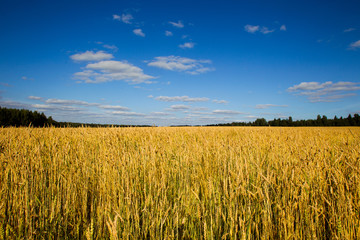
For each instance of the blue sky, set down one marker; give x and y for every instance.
(180, 62)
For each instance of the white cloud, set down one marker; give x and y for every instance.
(178, 107)
(66, 104)
(25, 78)
(325, 92)
(355, 45)
(114, 107)
(35, 98)
(42, 106)
(309, 86)
(125, 18)
(220, 101)
(168, 33)
(91, 56)
(251, 117)
(187, 45)
(283, 28)
(251, 28)
(178, 24)
(13, 104)
(116, 17)
(160, 114)
(181, 99)
(198, 109)
(265, 30)
(263, 106)
(128, 114)
(107, 71)
(349, 29)
(111, 47)
(55, 108)
(139, 32)
(176, 63)
(69, 102)
(201, 70)
(227, 112)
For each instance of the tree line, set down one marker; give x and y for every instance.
(22, 117)
(11, 117)
(319, 121)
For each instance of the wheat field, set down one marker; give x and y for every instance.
(180, 183)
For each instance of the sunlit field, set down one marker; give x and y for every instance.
(180, 183)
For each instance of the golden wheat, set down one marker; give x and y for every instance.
(180, 183)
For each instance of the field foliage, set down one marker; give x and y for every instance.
(180, 183)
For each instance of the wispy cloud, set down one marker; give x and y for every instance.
(114, 107)
(125, 18)
(283, 28)
(168, 33)
(265, 30)
(187, 45)
(139, 32)
(181, 64)
(124, 113)
(35, 98)
(159, 114)
(111, 47)
(178, 24)
(69, 102)
(80, 111)
(107, 71)
(256, 28)
(57, 108)
(181, 99)
(5, 84)
(25, 78)
(220, 101)
(91, 56)
(227, 112)
(264, 106)
(116, 17)
(14, 104)
(325, 92)
(178, 108)
(251, 28)
(355, 45)
(349, 29)
(108, 46)
(309, 86)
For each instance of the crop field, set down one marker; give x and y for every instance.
(180, 183)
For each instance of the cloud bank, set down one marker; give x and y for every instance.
(325, 92)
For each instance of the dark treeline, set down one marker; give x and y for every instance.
(18, 118)
(15, 117)
(319, 121)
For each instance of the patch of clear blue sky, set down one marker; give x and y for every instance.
(38, 38)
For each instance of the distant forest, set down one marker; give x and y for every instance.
(17, 118)
(10, 117)
(319, 121)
